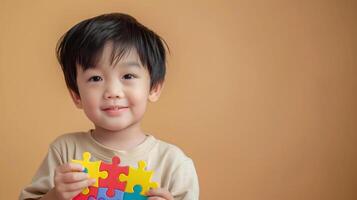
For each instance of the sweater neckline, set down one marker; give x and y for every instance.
(106, 153)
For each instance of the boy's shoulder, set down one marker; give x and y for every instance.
(70, 139)
(170, 150)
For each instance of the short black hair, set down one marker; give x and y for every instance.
(84, 43)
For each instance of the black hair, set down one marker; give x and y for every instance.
(84, 43)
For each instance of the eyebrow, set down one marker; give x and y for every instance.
(129, 64)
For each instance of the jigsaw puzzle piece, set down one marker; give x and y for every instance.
(138, 176)
(92, 167)
(136, 194)
(112, 181)
(102, 194)
(92, 194)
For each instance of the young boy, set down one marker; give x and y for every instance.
(113, 66)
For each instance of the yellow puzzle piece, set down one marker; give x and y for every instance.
(138, 176)
(92, 168)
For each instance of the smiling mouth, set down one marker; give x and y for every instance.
(114, 108)
(114, 111)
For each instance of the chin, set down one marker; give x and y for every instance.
(114, 128)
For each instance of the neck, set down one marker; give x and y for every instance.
(124, 139)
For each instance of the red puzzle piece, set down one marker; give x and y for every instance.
(93, 191)
(112, 181)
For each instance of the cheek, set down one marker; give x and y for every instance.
(138, 99)
(90, 108)
(139, 93)
(90, 101)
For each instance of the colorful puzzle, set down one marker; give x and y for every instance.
(114, 181)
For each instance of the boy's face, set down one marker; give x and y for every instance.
(115, 97)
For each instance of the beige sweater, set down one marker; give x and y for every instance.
(173, 170)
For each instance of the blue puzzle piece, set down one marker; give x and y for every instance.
(136, 194)
(102, 195)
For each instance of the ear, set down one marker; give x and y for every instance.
(76, 99)
(155, 92)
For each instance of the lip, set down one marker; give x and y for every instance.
(114, 110)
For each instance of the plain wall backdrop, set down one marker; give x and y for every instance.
(260, 94)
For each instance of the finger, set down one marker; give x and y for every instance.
(70, 167)
(71, 177)
(160, 192)
(80, 185)
(69, 195)
(155, 198)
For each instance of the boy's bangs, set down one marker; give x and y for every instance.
(89, 59)
(120, 50)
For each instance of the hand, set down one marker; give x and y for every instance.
(159, 194)
(70, 180)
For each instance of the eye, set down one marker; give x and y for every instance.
(95, 79)
(129, 76)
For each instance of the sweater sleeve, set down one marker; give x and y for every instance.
(184, 184)
(43, 181)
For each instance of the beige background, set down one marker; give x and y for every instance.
(261, 94)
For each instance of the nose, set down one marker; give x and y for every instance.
(113, 91)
